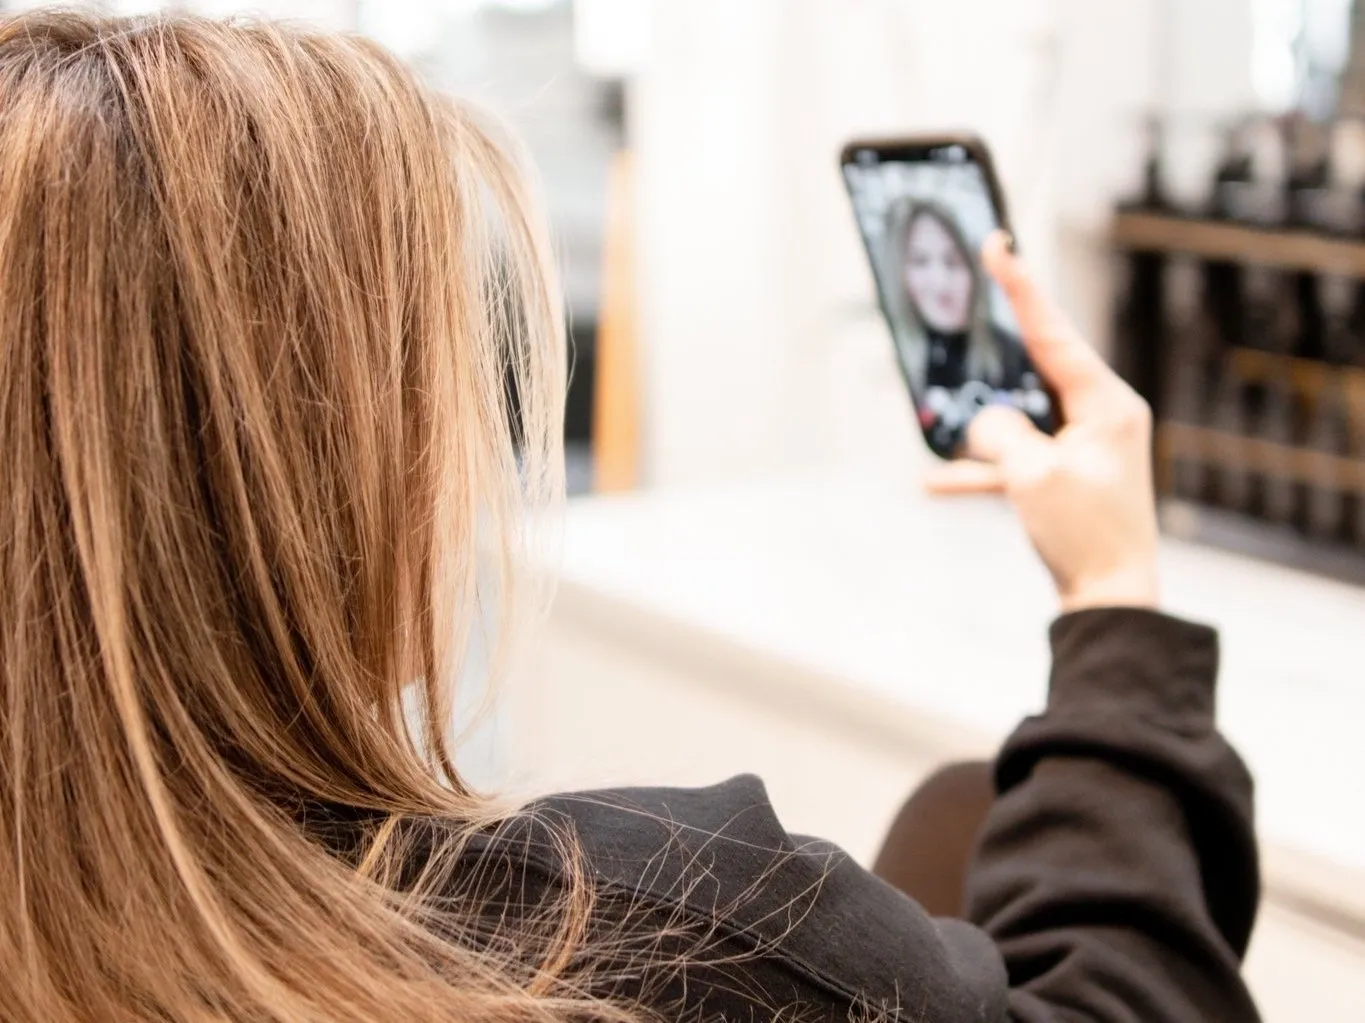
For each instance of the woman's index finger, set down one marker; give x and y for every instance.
(1073, 368)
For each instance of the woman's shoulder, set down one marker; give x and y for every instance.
(694, 847)
(796, 916)
(731, 823)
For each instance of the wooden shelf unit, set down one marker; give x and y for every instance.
(1142, 233)
(1211, 239)
(1305, 376)
(1177, 441)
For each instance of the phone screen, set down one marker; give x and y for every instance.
(924, 211)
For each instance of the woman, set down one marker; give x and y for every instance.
(262, 295)
(941, 315)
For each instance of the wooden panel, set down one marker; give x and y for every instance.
(1251, 454)
(616, 402)
(1293, 250)
(1306, 376)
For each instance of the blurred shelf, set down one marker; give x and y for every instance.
(1288, 249)
(1253, 455)
(1306, 376)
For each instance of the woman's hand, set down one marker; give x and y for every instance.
(1085, 496)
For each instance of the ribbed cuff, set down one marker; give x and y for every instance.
(1130, 660)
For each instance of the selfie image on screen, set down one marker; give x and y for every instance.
(956, 339)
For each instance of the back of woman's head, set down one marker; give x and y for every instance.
(264, 299)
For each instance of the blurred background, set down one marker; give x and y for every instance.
(750, 579)
(742, 336)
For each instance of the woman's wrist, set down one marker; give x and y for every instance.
(1132, 586)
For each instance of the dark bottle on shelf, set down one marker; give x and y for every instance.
(1250, 183)
(1355, 498)
(1308, 181)
(1234, 171)
(1347, 352)
(1353, 358)
(1232, 482)
(1307, 171)
(1221, 325)
(1280, 493)
(1311, 321)
(1140, 334)
(1329, 428)
(1308, 202)
(1276, 496)
(1154, 195)
(1224, 296)
(1270, 324)
(1328, 434)
(1263, 310)
(1222, 321)
(1310, 345)
(1259, 313)
(1188, 371)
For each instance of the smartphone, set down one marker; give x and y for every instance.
(924, 206)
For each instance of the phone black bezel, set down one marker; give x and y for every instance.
(921, 148)
(916, 149)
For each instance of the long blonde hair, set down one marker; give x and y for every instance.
(984, 361)
(281, 368)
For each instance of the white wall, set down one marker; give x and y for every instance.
(762, 352)
(338, 14)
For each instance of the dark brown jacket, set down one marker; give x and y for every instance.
(1116, 878)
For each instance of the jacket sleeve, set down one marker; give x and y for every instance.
(1117, 871)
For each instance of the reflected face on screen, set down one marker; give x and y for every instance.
(938, 278)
